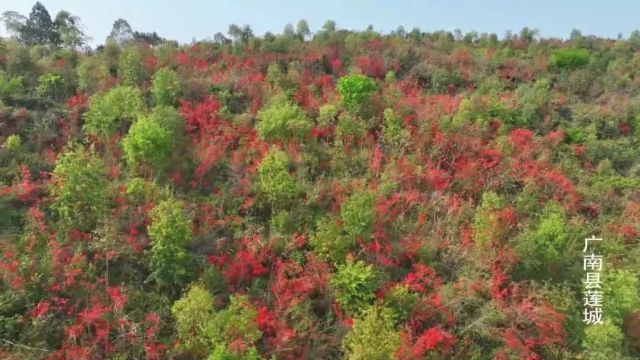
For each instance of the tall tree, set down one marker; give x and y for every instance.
(302, 29)
(121, 31)
(68, 26)
(39, 28)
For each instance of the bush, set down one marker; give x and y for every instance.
(148, 142)
(52, 86)
(358, 215)
(329, 243)
(283, 120)
(80, 189)
(202, 330)
(166, 87)
(276, 183)
(354, 284)
(603, 342)
(373, 336)
(170, 233)
(356, 89)
(570, 58)
(109, 111)
(620, 293)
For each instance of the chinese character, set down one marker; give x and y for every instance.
(586, 242)
(592, 280)
(592, 262)
(592, 316)
(593, 298)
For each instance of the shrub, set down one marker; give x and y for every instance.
(356, 89)
(329, 243)
(570, 58)
(148, 142)
(276, 183)
(170, 233)
(358, 215)
(373, 336)
(12, 142)
(620, 292)
(109, 111)
(166, 87)
(603, 342)
(354, 284)
(283, 120)
(52, 86)
(80, 189)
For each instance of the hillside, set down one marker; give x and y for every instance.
(331, 195)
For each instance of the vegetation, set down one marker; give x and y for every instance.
(327, 194)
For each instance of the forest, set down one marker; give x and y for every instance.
(333, 194)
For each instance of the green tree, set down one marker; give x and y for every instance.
(170, 234)
(131, 66)
(354, 284)
(39, 28)
(110, 111)
(71, 34)
(148, 142)
(166, 87)
(277, 185)
(603, 342)
(570, 58)
(373, 336)
(356, 89)
(358, 215)
(283, 120)
(121, 31)
(80, 189)
(193, 313)
(302, 29)
(203, 330)
(620, 291)
(52, 86)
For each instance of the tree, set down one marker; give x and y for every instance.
(289, 31)
(354, 284)
(356, 89)
(131, 67)
(329, 26)
(109, 111)
(235, 32)
(373, 336)
(276, 183)
(148, 142)
(121, 31)
(166, 87)
(170, 234)
(302, 29)
(15, 24)
(149, 38)
(203, 330)
(80, 189)
(40, 29)
(68, 26)
(283, 120)
(358, 215)
(37, 29)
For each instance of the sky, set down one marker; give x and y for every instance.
(186, 20)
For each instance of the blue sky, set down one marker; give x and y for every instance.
(188, 19)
